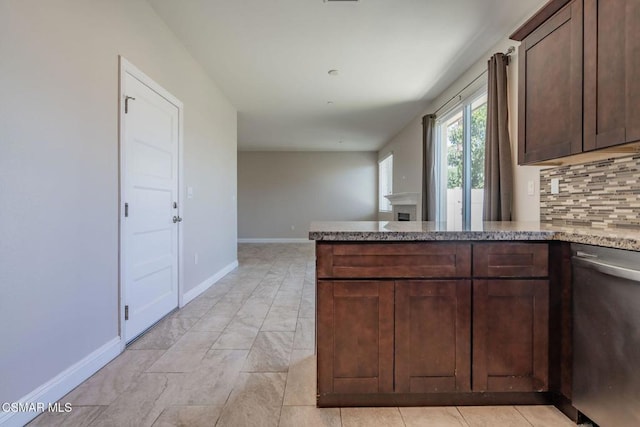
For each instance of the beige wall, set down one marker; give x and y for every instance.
(59, 175)
(278, 190)
(407, 161)
(407, 145)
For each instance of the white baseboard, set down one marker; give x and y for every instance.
(206, 284)
(54, 389)
(298, 240)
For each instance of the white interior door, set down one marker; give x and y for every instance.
(151, 220)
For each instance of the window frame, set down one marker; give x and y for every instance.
(464, 107)
(389, 187)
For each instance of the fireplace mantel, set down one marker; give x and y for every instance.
(403, 198)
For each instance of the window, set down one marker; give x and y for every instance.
(460, 147)
(385, 182)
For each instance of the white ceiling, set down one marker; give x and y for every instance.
(271, 58)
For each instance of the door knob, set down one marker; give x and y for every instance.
(177, 219)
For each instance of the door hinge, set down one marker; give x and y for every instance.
(126, 210)
(126, 312)
(126, 103)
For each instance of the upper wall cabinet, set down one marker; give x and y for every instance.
(550, 91)
(579, 78)
(611, 73)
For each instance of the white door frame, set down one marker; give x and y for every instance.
(127, 67)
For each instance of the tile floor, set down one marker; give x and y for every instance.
(241, 354)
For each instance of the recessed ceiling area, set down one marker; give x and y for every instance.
(272, 59)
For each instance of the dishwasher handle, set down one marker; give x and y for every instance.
(608, 269)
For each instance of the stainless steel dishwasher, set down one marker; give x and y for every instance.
(606, 335)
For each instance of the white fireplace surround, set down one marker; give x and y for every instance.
(406, 203)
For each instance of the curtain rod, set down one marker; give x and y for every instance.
(508, 53)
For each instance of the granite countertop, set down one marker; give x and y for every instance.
(432, 231)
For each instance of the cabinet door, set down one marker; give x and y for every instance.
(355, 336)
(433, 334)
(550, 88)
(510, 335)
(611, 73)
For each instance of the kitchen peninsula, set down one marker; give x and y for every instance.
(416, 313)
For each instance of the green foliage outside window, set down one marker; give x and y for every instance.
(455, 149)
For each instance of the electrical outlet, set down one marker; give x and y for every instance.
(293, 227)
(555, 185)
(531, 188)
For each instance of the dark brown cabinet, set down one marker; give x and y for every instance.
(510, 335)
(503, 260)
(432, 334)
(355, 336)
(510, 317)
(579, 78)
(611, 73)
(393, 260)
(550, 88)
(432, 323)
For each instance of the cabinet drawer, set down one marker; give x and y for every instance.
(510, 260)
(393, 260)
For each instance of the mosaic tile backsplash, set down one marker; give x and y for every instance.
(602, 194)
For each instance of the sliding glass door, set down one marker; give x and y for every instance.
(460, 149)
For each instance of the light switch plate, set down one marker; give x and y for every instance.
(555, 185)
(189, 192)
(531, 188)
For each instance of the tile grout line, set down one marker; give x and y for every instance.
(463, 417)
(523, 416)
(235, 314)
